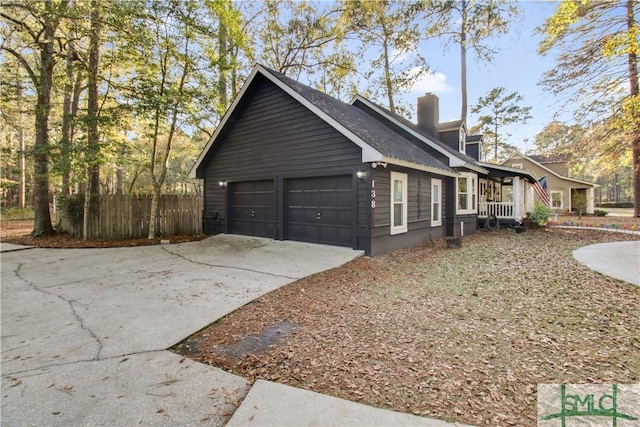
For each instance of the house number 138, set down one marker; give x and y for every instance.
(373, 194)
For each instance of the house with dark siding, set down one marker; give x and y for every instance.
(289, 162)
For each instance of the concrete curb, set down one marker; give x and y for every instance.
(273, 404)
(10, 247)
(610, 230)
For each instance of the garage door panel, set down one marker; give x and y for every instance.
(345, 199)
(331, 197)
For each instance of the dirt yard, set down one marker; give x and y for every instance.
(457, 334)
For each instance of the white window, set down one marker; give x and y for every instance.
(466, 194)
(462, 144)
(436, 202)
(517, 165)
(398, 203)
(556, 199)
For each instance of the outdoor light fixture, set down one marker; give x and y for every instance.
(222, 183)
(361, 174)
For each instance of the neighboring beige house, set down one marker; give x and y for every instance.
(563, 189)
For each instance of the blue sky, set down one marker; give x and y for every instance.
(517, 67)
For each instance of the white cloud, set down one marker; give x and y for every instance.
(432, 82)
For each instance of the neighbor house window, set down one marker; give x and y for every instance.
(436, 203)
(466, 192)
(517, 165)
(462, 144)
(556, 199)
(398, 203)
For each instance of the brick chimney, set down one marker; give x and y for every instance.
(429, 114)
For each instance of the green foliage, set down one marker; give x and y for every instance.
(600, 212)
(540, 214)
(501, 110)
(9, 214)
(596, 48)
(579, 201)
(390, 35)
(71, 208)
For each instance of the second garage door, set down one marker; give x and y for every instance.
(320, 210)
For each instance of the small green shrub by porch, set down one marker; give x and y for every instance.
(600, 212)
(540, 214)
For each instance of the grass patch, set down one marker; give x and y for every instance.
(16, 214)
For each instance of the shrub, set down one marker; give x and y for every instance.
(600, 212)
(540, 214)
(72, 209)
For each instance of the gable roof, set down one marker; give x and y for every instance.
(499, 170)
(456, 158)
(451, 125)
(547, 158)
(378, 142)
(556, 174)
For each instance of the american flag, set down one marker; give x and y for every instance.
(540, 187)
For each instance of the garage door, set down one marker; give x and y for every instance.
(253, 208)
(320, 210)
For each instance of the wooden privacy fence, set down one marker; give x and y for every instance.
(127, 217)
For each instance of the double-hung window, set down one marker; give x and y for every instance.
(467, 193)
(556, 199)
(436, 202)
(398, 203)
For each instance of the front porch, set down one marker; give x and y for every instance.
(505, 196)
(502, 210)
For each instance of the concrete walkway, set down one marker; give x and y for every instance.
(85, 333)
(620, 260)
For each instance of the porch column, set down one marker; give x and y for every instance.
(516, 197)
(590, 201)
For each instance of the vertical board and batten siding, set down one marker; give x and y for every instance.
(473, 150)
(418, 211)
(271, 136)
(127, 217)
(451, 139)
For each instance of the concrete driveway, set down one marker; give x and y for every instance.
(85, 331)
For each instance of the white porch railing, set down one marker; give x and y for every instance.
(499, 209)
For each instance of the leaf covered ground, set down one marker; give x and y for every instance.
(17, 232)
(457, 334)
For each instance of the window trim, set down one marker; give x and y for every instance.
(517, 166)
(438, 182)
(403, 228)
(472, 192)
(561, 193)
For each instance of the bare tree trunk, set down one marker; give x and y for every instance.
(92, 103)
(387, 76)
(119, 180)
(634, 92)
(86, 208)
(42, 223)
(65, 141)
(463, 59)
(158, 179)
(21, 157)
(223, 67)
(495, 153)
